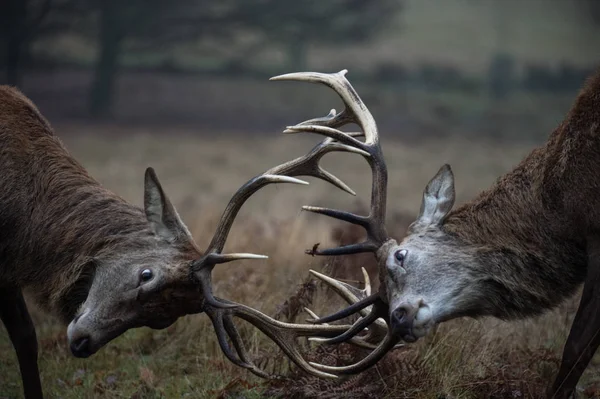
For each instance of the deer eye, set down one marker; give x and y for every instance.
(146, 275)
(400, 255)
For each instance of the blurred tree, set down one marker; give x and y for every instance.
(295, 25)
(20, 21)
(135, 24)
(121, 27)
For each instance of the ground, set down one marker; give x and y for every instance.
(465, 358)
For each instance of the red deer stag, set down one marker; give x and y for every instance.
(518, 249)
(105, 266)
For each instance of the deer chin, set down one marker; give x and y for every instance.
(423, 323)
(162, 324)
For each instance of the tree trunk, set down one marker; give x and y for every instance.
(106, 68)
(16, 39)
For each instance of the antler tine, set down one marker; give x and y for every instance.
(379, 309)
(308, 165)
(355, 111)
(361, 301)
(236, 202)
(349, 293)
(202, 268)
(361, 342)
(283, 334)
(388, 343)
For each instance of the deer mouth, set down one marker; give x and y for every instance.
(410, 323)
(86, 337)
(81, 347)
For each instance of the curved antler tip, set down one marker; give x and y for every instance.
(343, 72)
(311, 314)
(215, 259)
(317, 274)
(308, 76)
(283, 179)
(278, 77)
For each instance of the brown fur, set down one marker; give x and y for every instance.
(54, 217)
(79, 248)
(538, 216)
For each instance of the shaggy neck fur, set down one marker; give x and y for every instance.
(54, 218)
(528, 232)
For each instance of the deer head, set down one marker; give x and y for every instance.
(143, 281)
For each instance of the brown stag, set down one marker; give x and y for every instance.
(519, 248)
(103, 265)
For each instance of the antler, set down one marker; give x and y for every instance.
(355, 112)
(221, 311)
(374, 224)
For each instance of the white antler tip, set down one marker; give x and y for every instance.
(285, 179)
(253, 256)
(301, 76)
(343, 72)
(239, 256)
(323, 277)
(311, 313)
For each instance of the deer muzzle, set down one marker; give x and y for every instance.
(411, 321)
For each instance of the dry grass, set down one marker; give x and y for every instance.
(464, 358)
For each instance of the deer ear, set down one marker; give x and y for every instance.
(438, 198)
(161, 213)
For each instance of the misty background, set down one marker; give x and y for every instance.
(505, 69)
(183, 86)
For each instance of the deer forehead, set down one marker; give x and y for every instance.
(424, 243)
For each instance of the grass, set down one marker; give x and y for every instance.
(464, 359)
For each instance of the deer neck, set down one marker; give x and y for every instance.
(526, 255)
(88, 223)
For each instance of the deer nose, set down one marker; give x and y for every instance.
(402, 320)
(81, 347)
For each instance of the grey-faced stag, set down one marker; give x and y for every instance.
(518, 249)
(104, 265)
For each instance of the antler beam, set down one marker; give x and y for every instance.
(222, 311)
(374, 224)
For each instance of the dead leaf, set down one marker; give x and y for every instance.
(77, 378)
